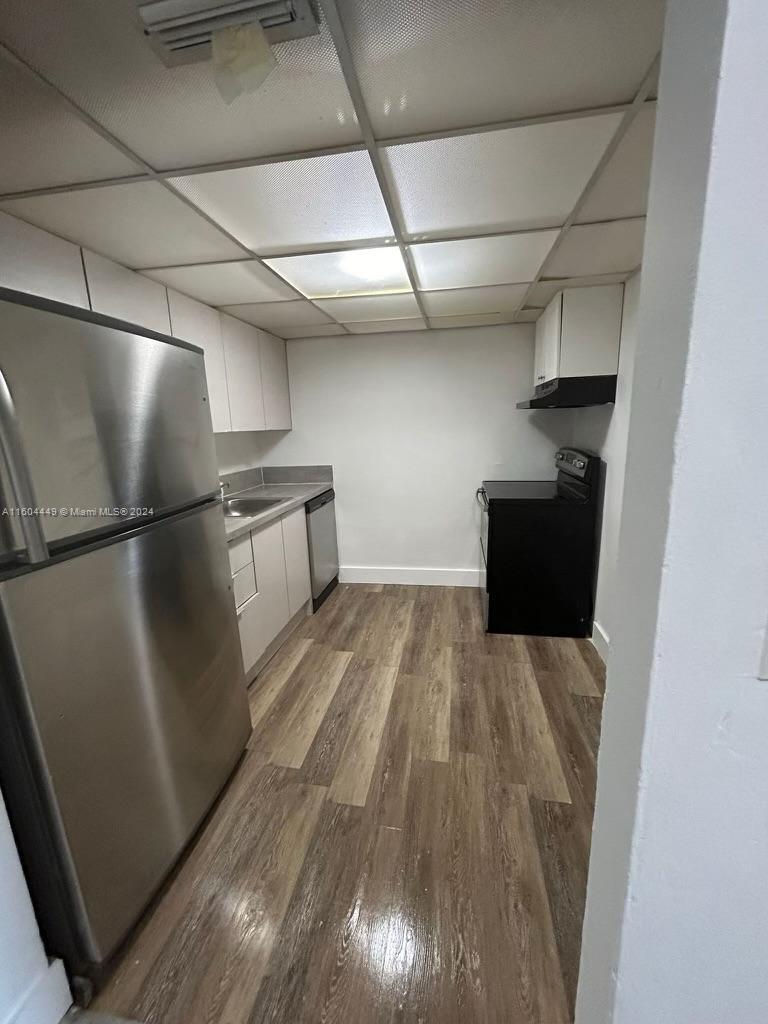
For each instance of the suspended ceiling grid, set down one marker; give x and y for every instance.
(418, 166)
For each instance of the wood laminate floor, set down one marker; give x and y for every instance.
(406, 839)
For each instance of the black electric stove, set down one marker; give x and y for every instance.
(539, 541)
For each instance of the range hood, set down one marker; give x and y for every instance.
(572, 393)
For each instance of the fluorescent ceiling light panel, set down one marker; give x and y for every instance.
(276, 315)
(294, 204)
(599, 249)
(497, 300)
(514, 179)
(354, 272)
(622, 188)
(481, 261)
(221, 284)
(387, 326)
(544, 291)
(371, 307)
(139, 225)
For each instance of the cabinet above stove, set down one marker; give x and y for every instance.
(577, 349)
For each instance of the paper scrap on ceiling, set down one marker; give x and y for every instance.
(242, 59)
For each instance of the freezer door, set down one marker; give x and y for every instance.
(127, 662)
(108, 420)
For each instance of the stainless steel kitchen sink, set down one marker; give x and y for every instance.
(249, 506)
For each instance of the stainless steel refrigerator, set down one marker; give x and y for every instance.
(123, 707)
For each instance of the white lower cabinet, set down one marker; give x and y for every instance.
(271, 584)
(296, 559)
(279, 571)
(244, 584)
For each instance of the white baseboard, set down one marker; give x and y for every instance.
(48, 998)
(410, 576)
(601, 641)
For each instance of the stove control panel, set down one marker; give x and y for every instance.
(575, 462)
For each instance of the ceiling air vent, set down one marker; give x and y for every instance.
(180, 30)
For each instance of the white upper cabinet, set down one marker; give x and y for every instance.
(243, 362)
(122, 293)
(591, 331)
(37, 262)
(547, 357)
(578, 334)
(274, 376)
(200, 325)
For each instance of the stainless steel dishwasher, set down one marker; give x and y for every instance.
(323, 548)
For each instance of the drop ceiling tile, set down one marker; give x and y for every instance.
(355, 272)
(473, 320)
(442, 64)
(221, 284)
(528, 316)
(622, 188)
(139, 225)
(494, 181)
(481, 261)
(273, 316)
(312, 331)
(96, 53)
(44, 143)
(497, 300)
(387, 326)
(294, 204)
(545, 290)
(371, 307)
(599, 249)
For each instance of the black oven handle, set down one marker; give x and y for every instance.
(482, 498)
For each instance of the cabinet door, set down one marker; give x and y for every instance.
(240, 553)
(274, 375)
(199, 324)
(33, 261)
(547, 361)
(591, 331)
(296, 559)
(264, 615)
(243, 361)
(122, 293)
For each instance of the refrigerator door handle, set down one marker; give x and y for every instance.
(17, 470)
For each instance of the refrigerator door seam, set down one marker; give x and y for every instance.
(16, 467)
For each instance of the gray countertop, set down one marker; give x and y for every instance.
(294, 496)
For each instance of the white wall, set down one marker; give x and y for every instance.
(412, 423)
(605, 429)
(245, 449)
(676, 926)
(31, 991)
